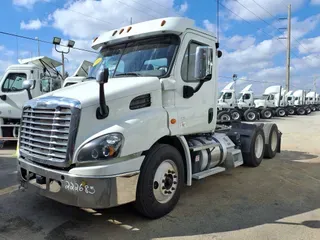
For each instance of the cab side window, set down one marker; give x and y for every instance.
(246, 96)
(188, 63)
(271, 97)
(13, 82)
(227, 96)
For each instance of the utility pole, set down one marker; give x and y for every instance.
(288, 38)
(288, 49)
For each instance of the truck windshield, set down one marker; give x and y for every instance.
(289, 98)
(145, 57)
(48, 84)
(264, 96)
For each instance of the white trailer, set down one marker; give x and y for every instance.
(41, 74)
(143, 129)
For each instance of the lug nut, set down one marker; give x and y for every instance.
(173, 189)
(163, 187)
(174, 182)
(174, 176)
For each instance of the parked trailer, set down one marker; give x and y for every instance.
(41, 74)
(138, 134)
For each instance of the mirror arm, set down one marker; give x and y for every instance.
(29, 94)
(103, 108)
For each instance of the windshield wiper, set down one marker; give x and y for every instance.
(127, 74)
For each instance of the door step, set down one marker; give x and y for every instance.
(208, 173)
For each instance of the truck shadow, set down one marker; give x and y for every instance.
(238, 199)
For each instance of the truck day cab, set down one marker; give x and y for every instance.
(41, 74)
(144, 128)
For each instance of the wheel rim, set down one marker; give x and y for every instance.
(165, 181)
(235, 115)
(267, 114)
(291, 111)
(282, 113)
(258, 148)
(251, 116)
(274, 141)
(225, 117)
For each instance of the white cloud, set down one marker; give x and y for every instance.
(238, 42)
(211, 27)
(315, 2)
(273, 7)
(310, 45)
(27, 3)
(32, 24)
(254, 57)
(104, 15)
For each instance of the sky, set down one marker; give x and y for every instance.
(250, 33)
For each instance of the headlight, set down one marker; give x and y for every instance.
(102, 148)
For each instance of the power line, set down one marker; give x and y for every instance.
(43, 41)
(264, 9)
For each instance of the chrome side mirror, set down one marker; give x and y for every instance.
(203, 63)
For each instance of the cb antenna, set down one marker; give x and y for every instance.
(218, 23)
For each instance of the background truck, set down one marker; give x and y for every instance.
(41, 73)
(79, 75)
(301, 108)
(143, 129)
(229, 108)
(273, 99)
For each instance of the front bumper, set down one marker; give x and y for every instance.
(81, 191)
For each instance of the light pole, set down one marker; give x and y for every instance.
(56, 41)
(38, 45)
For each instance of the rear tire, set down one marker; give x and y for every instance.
(301, 111)
(266, 113)
(250, 115)
(308, 110)
(254, 157)
(162, 172)
(224, 116)
(290, 110)
(272, 141)
(235, 115)
(281, 112)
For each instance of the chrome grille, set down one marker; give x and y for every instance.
(47, 134)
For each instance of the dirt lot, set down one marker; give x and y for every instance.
(279, 200)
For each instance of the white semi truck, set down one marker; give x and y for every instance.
(143, 129)
(311, 101)
(80, 75)
(300, 105)
(41, 73)
(274, 99)
(229, 108)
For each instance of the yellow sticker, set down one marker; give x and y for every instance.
(97, 61)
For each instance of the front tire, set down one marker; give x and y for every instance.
(224, 116)
(301, 111)
(160, 181)
(235, 115)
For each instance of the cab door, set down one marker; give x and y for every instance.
(198, 112)
(12, 95)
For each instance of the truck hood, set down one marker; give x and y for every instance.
(88, 92)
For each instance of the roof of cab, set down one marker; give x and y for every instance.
(175, 25)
